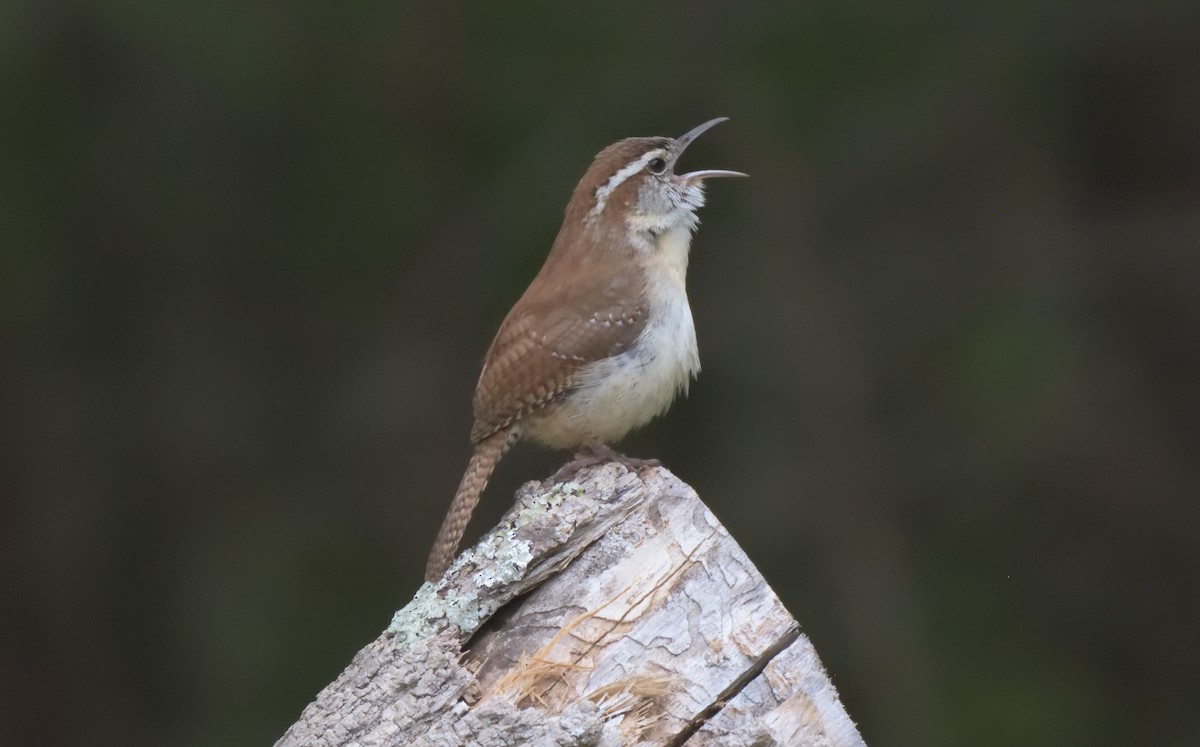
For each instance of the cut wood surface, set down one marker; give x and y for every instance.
(610, 610)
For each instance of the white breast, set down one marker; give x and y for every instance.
(626, 391)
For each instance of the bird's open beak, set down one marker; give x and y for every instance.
(686, 139)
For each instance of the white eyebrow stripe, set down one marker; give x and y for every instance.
(617, 179)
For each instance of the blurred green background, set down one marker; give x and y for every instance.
(252, 255)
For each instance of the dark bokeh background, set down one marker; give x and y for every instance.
(252, 255)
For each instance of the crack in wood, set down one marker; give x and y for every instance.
(431, 675)
(745, 678)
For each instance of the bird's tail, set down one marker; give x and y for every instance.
(474, 480)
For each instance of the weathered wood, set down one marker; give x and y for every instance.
(615, 610)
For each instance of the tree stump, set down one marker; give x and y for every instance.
(609, 610)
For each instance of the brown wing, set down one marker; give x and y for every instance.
(559, 326)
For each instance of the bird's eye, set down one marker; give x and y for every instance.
(657, 166)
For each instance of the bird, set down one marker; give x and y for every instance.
(602, 341)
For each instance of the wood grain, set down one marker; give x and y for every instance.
(615, 610)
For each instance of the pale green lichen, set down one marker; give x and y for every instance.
(464, 610)
(419, 618)
(500, 556)
(543, 502)
(501, 559)
(507, 559)
(429, 612)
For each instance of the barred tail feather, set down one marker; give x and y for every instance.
(487, 453)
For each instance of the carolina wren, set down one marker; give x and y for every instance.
(602, 340)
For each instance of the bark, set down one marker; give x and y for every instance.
(613, 610)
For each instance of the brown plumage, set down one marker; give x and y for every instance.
(579, 324)
(487, 452)
(552, 333)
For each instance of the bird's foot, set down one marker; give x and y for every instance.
(598, 453)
